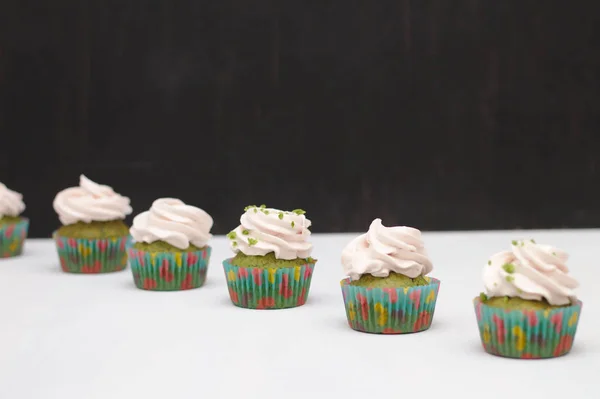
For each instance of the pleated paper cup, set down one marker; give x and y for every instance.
(268, 288)
(527, 334)
(169, 271)
(12, 238)
(92, 256)
(390, 310)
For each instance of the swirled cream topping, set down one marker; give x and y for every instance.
(530, 271)
(11, 202)
(90, 202)
(386, 249)
(172, 221)
(264, 230)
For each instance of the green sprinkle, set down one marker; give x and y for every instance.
(533, 241)
(252, 241)
(266, 212)
(231, 235)
(554, 253)
(495, 284)
(249, 207)
(489, 262)
(509, 268)
(510, 279)
(515, 243)
(234, 244)
(281, 215)
(263, 206)
(255, 210)
(245, 232)
(522, 243)
(505, 299)
(483, 297)
(293, 224)
(299, 211)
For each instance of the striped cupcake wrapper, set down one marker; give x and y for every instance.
(527, 334)
(91, 256)
(169, 271)
(390, 310)
(12, 238)
(268, 288)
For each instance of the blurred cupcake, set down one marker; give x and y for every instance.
(529, 309)
(272, 268)
(170, 252)
(387, 291)
(13, 227)
(93, 236)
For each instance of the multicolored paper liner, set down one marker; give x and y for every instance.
(390, 310)
(268, 288)
(527, 334)
(92, 256)
(12, 238)
(169, 271)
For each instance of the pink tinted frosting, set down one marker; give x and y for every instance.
(90, 202)
(530, 271)
(386, 249)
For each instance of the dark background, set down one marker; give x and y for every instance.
(467, 114)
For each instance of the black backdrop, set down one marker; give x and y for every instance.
(466, 114)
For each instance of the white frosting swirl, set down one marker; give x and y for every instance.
(386, 249)
(90, 202)
(264, 230)
(530, 271)
(172, 221)
(11, 202)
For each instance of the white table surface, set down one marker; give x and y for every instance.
(97, 336)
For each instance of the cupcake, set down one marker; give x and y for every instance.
(13, 227)
(93, 236)
(272, 267)
(387, 291)
(529, 309)
(170, 251)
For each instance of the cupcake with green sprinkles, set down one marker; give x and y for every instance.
(387, 290)
(93, 236)
(13, 227)
(170, 250)
(272, 267)
(529, 309)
